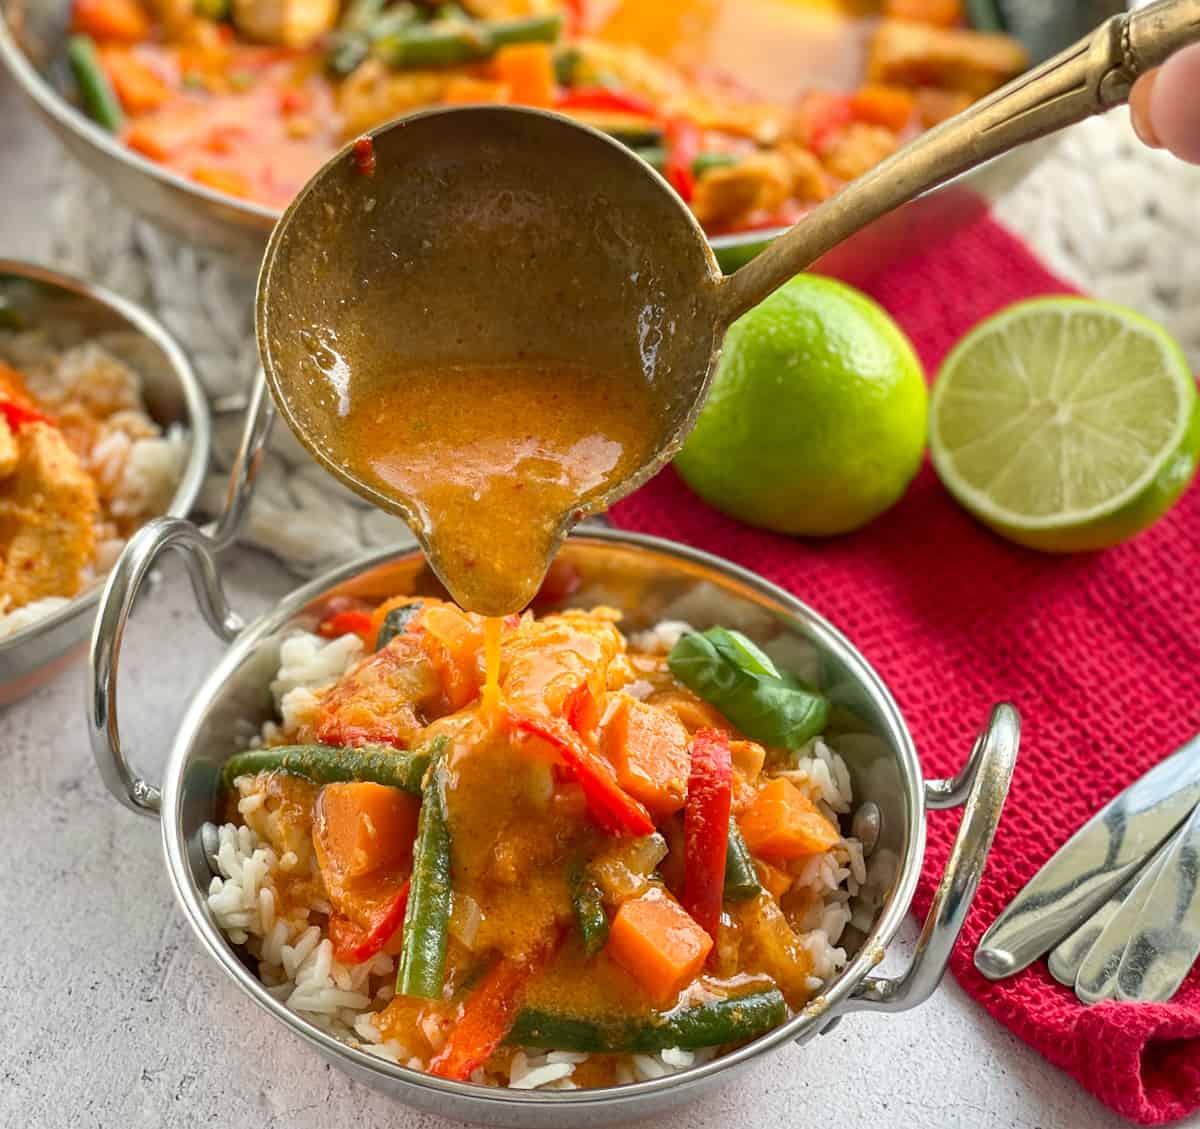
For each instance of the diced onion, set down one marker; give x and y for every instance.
(465, 920)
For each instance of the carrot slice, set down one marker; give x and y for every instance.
(706, 828)
(122, 20)
(943, 13)
(888, 106)
(611, 807)
(361, 828)
(138, 87)
(648, 747)
(655, 940)
(528, 69)
(783, 823)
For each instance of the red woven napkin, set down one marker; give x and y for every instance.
(1100, 652)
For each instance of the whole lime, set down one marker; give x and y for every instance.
(816, 420)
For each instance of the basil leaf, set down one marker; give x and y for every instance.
(740, 651)
(728, 671)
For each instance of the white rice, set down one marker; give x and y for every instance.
(296, 961)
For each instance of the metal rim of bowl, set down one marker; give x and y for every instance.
(198, 421)
(190, 898)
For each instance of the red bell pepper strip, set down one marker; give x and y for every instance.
(706, 828)
(16, 416)
(683, 147)
(603, 100)
(581, 710)
(352, 944)
(614, 809)
(350, 622)
(576, 13)
(827, 114)
(488, 1016)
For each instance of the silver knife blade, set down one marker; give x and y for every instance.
(1097, 976)
(1165, 943)
(1094, 863)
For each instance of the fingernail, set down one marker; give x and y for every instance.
(1139, 108)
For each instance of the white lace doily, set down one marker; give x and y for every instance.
(1101, 211)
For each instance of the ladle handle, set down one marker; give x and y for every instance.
(1089, 78)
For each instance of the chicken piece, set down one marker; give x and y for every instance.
(383, 698)
(914, 54)
(760, 183)
(374, 93)
(858, 147)
(290, 23)
(48, 513)
(809, 182)
(547, 659)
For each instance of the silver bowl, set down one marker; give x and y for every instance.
(650, 579)
(43, 298)
(32, 34)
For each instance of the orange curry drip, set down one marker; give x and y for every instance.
(489, 460)
(492, 627)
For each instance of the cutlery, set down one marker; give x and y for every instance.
(1166, 942)
(1093, 865)
(1096, 977)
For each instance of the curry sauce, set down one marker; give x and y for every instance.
(492, 459)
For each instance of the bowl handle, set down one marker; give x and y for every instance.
(982, 785)
(198, 549)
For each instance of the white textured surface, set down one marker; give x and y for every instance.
(112, 1017)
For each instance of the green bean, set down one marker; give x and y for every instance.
(450, 43)
(566, 63)
(325, 764)
(705, 162)
(395, 622)
(422, 970)
(741, 879)
(364, 22)
(709, 1024)
(94, 88)
(589, 908)
(215, 10)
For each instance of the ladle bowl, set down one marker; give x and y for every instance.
(492, 234)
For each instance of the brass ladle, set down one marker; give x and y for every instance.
(492, 233)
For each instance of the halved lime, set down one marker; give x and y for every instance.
(1065, 424)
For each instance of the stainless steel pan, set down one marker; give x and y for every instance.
(32, 34)
(651, 580)
(39, 298)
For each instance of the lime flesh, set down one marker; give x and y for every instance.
(1065, 424)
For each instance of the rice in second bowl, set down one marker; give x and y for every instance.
(269, 896)
(82, 465)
